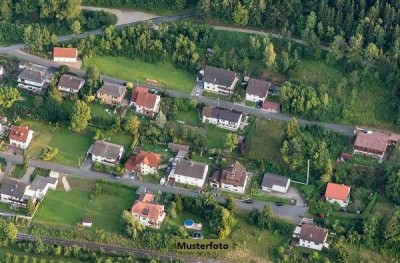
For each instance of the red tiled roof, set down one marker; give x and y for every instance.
(337, 191)
(65, 52)
(394, 137)
(19, 133)
(142, 97)
(148, 158)
(271, 105)
(146, 207)
(376, 141)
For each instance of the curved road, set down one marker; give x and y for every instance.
(112, 248)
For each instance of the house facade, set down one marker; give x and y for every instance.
(106, 153)
(371, 144)
(337, 193)
(20, 136)
(312, 236)
(33, 79)
(273, 182)
(71, 84)
(234, 178)
(65, 54)
(257, 90)
(143, 163)
(223, 118)
(190, 172)
(13, 192)
(145, 102)
(147, 212)
(219, 80)
(111, 94)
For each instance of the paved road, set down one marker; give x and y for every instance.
(292, 213)
(118, 249)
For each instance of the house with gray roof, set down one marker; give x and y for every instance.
(106, 153)
(274, 182)
(13, 192)
(37, 190)
(257, 90)
(70, 83)
(34, 79)
(190, 172)
(112, 94)
(223, 118)
(219, 80)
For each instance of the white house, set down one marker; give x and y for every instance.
(223, 118)
(65, 54)
(33, 79)
(273, 182)
(37, 190)
(219, 80)
(143, 163)
(190, 172)
(311, 236)
(106, 153)
(20, 136)
(338, 193)
(233, 179)
(145, 102)
(70, 83)
(13, 191)
(147, 211)
(257, 90)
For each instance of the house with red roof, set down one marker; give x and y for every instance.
(147, 211)
(272, 106)
(65, 54)
(337, 193)
(20, 136)
(143, 163)
(145, 102)
(234, 178)
(372, 144)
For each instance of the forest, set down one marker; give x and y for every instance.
(151, 5)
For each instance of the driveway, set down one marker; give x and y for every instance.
(292, 193)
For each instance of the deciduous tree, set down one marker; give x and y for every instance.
(80, 116)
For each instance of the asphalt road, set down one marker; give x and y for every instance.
(292, 213)
(118, 249)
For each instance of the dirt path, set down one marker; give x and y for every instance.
(124, 16)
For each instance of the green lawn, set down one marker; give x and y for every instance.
(170, 223)
(264, 140)
(215, 137)
(72, 146)
(18, 172)
(250, 103)
(270, 198)
(166, 75)
(105, 210)
(97, 110)
(191, 117)
(315, 72)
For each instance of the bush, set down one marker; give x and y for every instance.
(49, 153)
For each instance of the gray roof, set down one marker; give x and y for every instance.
(71, 82)
(190, 168)
(258, 87)
(13, 188)
(270, 180)
(40, 182)
(33, 74)
(223, 114)
(219, 76)
(178, 147)
(106, 149)
(112, 89)
(313, 233)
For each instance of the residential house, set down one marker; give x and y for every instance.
(70, 83)
(37, 190)
(271, 106)
(338, 193)
(233, 179)
(33, 79)
(190, 172)
(147, 211)
(20, 136)
(145, 102)
(219, 80)
(65, 54)
(143, 163)
(178, 147)
(107, 153)
(257, 90)
(111, 93)
(13, 191)
(223, 118)
(372, 144)
(274, 182)
(311, 236)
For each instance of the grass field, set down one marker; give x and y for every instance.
(105, 210)
(98, 110)
(315, 72)
(18, 172)
(264, 141)
(191, 117)
(72, 146)
(181, 217)
(215, 137)
(166, 75)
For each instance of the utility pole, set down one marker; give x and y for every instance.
(308, 170)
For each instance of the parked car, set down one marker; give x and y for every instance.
(248, 201)
(279, 204)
